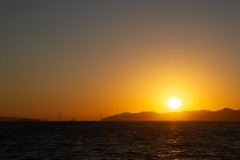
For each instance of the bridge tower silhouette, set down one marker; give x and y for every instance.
(59, 117)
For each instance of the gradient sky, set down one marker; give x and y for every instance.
(82, 58)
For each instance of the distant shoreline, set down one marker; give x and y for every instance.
(16, 119)
(224, 115)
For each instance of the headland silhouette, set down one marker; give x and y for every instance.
(225, 114)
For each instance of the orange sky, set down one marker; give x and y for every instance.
(86, 58)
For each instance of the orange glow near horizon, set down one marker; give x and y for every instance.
(86, 58)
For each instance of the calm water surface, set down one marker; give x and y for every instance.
(119, 140)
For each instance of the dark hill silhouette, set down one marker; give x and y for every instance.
(225, 114)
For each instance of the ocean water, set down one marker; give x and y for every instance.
(119, 140)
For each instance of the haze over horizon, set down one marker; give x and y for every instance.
(82, 58)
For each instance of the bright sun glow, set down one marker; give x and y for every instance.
(174, 103)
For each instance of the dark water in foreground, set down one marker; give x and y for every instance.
(119, 140)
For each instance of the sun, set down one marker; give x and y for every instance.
(174, 103)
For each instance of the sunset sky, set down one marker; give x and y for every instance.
(83, 58)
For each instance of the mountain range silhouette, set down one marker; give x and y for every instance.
(225, 114)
